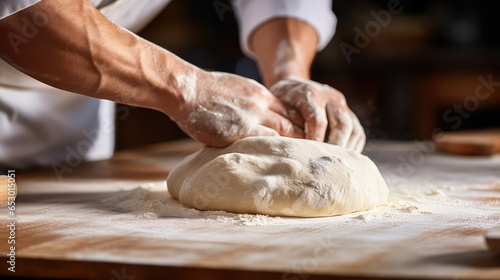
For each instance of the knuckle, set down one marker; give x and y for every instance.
(280, 85)
(258, 92)
(346, 128)
(344, 121)
(285, 129)
(254, 105)
(319, 121)
(347, 117)
(342, 99)
(356, 133)
(285, 126)
(307, 88)
(363, 137)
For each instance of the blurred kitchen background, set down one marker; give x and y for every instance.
(417, 72)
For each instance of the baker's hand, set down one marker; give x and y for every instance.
(322, 107)
(219, 108)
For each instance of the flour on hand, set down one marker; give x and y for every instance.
(278, 176)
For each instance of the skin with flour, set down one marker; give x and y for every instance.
(285, 63)
(316, 101)
(285, 176)
(229, 107)
(96, 58)
(278, 176)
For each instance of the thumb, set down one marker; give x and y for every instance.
(282, 125)
(261, 130)
(286, 110)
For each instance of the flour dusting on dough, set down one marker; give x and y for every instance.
(278, 176)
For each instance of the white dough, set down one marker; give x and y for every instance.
(278, 176)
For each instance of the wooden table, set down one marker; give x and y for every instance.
(432, 228)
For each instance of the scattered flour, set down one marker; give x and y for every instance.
(390, 210)
(153, 201)
(410, 198)
(249, 220)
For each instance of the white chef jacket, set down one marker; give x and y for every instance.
(41, 125)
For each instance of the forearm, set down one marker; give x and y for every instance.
(284, 47)
(79, 50)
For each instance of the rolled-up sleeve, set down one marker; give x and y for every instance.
(317, 13)
(9, 7)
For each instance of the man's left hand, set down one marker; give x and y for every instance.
(323, 108)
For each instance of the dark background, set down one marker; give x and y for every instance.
(406, 80)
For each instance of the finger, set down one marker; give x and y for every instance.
(355, 134)
(286, 110)
(301, 97)
(358, 135)
(361, 144)
(342, 130)
(295, 117)
(314, 116)
(332, 126)
(261, 130)
(282, 125)
(316, 125)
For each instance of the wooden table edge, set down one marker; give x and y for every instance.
(29, 268)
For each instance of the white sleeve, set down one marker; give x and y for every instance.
(317, 13)
(9, 7)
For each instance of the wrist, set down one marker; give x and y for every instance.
(181, 87)
(289, 73)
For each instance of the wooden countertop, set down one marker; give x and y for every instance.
(432, 228)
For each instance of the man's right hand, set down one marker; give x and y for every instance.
(98, 59)
(219, 108)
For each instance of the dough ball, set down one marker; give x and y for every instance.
(278, 176)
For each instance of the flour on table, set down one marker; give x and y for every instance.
(249, 220)
(278, 176)
(153, 201)
(391, 209)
